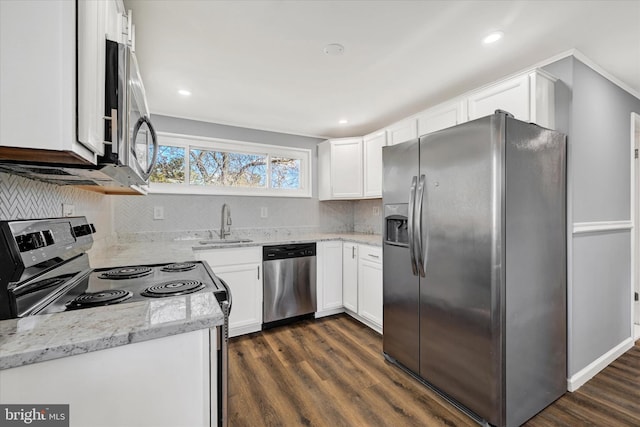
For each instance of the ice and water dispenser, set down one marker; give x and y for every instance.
(395, 224)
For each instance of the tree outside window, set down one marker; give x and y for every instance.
(195, 167)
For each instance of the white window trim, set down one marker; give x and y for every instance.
(201, 142)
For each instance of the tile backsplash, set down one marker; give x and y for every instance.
(22, 198)
(126, 217)
(202, 214)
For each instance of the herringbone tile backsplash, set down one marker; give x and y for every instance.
(22, 198)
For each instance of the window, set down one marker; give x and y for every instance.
(197, 165)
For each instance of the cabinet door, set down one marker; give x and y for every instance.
(346, 168)
(245, 283)
(350, 276)
(403, 131)
(92, 30)
(329, 276)
(511, 96)
(372, 147)
(441, 117)
(370, 291)
(163, 382)
(241, 269)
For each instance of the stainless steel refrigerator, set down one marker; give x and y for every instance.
(475, 265)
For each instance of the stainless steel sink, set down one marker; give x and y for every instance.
(224, 241)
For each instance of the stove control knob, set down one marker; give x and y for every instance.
(33, 241)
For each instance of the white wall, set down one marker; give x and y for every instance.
(595, 114)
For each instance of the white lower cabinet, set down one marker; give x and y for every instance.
(350, 276)
(362, 283)
(329, 278)
(168, 382)
(241, 269)
(370, 285)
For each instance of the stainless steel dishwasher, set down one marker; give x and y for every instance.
(289, 282)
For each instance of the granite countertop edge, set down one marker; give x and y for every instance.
(40, 338)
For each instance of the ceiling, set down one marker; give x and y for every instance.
(261, 64)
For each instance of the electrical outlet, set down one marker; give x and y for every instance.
(376, 211)
(264, 212)
(68, 209)
(158, 212)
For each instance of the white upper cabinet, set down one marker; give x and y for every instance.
(340, 171)
(40, 108)
(372, 155)
(403, 131)
(442, 116)
(529, 97)
(351, 168)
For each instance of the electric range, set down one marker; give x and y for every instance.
(44, 268)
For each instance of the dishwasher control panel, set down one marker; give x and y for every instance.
(296, 250)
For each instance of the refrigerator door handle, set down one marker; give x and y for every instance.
(411, 225)
(420, 247)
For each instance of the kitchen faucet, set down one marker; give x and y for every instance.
(225, 224)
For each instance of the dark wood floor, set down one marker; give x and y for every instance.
(331, 372)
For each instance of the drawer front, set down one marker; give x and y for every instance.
(370, 253)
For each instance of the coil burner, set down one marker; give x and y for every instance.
(97, 299)
(173, 288)
(178, 266)
(126, 273)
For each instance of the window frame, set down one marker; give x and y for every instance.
(189, 142)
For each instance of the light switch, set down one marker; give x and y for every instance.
(264, 212)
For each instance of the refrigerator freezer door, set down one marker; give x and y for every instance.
(401, 319)
(460, 350)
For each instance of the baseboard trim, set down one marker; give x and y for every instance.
(366, 322)
(331, 312)
(245, 329)
(584, 375)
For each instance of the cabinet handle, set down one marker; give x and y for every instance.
(258, 268)
(374, 256)
(353, 252)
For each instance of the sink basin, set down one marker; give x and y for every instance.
(224, 241)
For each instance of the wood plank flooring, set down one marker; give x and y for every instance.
(331, 372)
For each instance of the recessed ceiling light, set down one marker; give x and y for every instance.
(184, 92)
(493, 37)
(343, 121)
(334, 49)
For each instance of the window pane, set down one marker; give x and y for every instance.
(227, 169)
(170, 165)
(285, 173)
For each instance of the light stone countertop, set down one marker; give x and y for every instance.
(50, 336)
(44, 337)
(154, 252)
